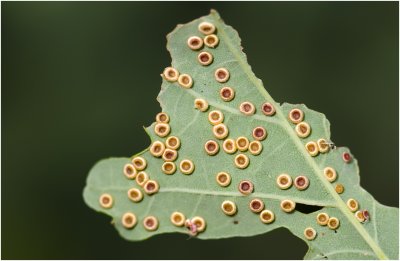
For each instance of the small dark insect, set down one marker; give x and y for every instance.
(235, 222)
(331, 145)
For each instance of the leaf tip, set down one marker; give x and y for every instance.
(215, 13)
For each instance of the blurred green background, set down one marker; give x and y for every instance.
(80, 79)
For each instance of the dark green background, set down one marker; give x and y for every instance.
(79, 80)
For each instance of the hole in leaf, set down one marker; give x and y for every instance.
(307, 209)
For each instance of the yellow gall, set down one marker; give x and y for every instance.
(310, 233)
(177, 219)
(229, 146)
(339, 188)
(128, 220)
(157, 149)
(199, 222)
(333, 223)
(256, 205)
(267, 216)
(171, 74)
(322, 219)
(359, 216)
(186, 166)
(135, 195)
(201, 105)
(130, 171)
(162, 129)
(142, 178)
(229, 207)
(162, 117)
(312, 148)
(173, 143)
(284, 181)
(205, 58)
(303, 129)
(150, 223)
(288, 205)
(151, 187)
(106, 200)
(139, 163)
(220, 131)
(211, 147)
(223, 179)
(330, 174)
(169, 155)
(195, 43)
(221, 75)
(227, 94)
(242, 161)
(215, 117)
(242, 143)
(185, 81)
(323, 145)
(206, 28)
(296, 116)
(247, 108)
(168, 168)
(352, 204)
(255, 147)
(211, 40)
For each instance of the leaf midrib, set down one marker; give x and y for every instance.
(286, 126)
(271, 196)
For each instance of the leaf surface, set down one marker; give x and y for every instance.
(283, 151)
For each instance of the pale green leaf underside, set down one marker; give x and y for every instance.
(283, 152)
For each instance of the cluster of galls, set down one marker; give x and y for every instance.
(241, 161)
(169, 150)
(242, 143)
(231, 146)
(323, 219)
(135, 171)
(220, 130)
(284, 181)
(303, 130)
(195, 225)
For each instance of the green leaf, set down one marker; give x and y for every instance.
(198, 194)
